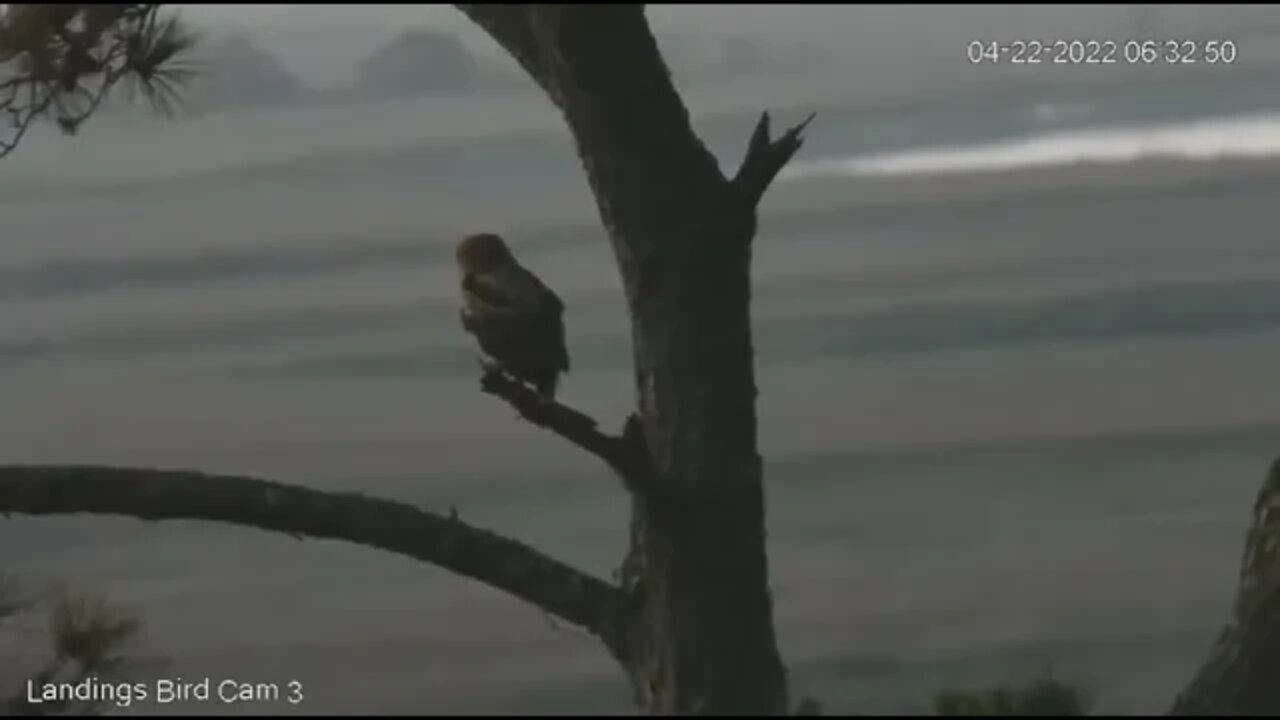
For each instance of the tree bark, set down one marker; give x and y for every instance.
(701, 637)
(1242, 674)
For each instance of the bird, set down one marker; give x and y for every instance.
(517, 320)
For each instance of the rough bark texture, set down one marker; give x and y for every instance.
(701, 636)
(1242, 675)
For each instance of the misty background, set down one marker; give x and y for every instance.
(1015, 328)
(858, 51)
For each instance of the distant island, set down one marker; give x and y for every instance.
(699, 56)
(418, 62)
(234, 71)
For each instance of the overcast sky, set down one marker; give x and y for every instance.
(816, 17)
(826, 24)
(321, 43)
(722, 17)
(446, 14)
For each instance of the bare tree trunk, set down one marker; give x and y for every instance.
(1242, 674)
(701, 636)
(697, 566)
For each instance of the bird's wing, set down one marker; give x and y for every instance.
(513, 307)
(553, 313)
(512, 290)
(548, 297)
(487, 294)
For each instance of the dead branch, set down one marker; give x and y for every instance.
(627, 454)
(152, 494)
(765, 158)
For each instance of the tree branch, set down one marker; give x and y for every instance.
(626, 454)
(765, 158)
(21, 119)
(1239, 678)
(150, 494)
(54, 52)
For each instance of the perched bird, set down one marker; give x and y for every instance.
(517, 320)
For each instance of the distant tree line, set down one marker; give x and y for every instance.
(237, 72)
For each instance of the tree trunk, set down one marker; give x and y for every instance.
(1242, 673)
(697, 574)
(697, 566)
(700, 630)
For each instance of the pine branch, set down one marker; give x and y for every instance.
(51, 54)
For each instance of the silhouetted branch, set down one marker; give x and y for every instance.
(765, 158)
(50, 54)
(450, 543)
(1240, 675)
(626, 454)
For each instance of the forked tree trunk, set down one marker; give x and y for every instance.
(700, 637)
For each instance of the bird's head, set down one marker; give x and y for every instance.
(482, 253)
